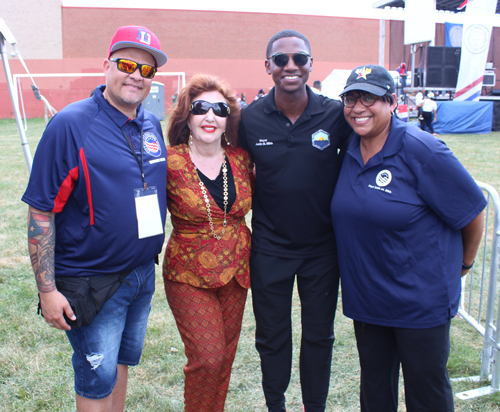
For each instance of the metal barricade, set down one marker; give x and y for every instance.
(474, 289)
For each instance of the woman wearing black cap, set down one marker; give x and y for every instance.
(408, 220)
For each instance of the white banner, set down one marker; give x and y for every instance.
(476, 35)
(420, 26)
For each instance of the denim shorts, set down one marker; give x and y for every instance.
(115, 336)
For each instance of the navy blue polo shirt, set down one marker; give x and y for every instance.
(85, 172)
(398, 222)
(297, 166)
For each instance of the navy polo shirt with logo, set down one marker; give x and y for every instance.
(398, 222)
(297, 166)
(85, 172)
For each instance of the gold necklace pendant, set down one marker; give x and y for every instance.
(207, 200)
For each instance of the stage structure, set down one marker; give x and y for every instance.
(419, 27)
(475, 39)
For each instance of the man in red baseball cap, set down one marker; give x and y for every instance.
(97, 205)
(134, 55)
(140, 38)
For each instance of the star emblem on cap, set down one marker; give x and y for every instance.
(363, 72)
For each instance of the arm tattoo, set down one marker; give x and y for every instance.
(41, 244)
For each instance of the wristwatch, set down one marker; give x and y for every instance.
(467, 267)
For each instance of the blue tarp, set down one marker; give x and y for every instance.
(464, 117)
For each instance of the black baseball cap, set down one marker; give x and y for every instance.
(370, 78)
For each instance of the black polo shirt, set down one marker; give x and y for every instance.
(297, 167)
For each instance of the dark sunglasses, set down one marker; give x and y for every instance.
(220, 109)
(366, 99)
(281, 59)
(129, 66)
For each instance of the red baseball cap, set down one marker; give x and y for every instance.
(140, 38)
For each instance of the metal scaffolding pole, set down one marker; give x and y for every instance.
(381, 43)
(7, 36)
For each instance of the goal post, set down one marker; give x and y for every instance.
(61, 89)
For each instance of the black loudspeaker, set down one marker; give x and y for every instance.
(442, 66)
(489, 79)
(452, 57)
(434, 78)
(450, 77)
(435, 56)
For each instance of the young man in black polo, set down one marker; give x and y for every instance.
(296, 139)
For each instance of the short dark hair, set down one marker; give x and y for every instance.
(286, 33)
(317, 83)
(388, 98)
(178, 131)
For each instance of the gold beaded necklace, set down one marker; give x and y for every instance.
(207, 200)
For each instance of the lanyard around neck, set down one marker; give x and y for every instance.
(141, 162)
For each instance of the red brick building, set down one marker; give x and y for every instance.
(230, 45)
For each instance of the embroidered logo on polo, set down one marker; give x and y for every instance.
(144, 37)
(264, 142)
(384, 177)
(151, 144)
(320, 139)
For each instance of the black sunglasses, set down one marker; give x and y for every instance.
(129, 66)
(281, 59)
(220, 109)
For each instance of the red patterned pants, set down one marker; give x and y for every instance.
(209, 321)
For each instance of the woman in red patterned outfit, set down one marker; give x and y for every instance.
(206, 266)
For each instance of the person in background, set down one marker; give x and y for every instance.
(316, 87)
(175, 96)
(429, 113)
(261, 93)
(403, 74)
(408, 219)
(206, 266)
(296, 139)
(98, 162)
(419, 99)
(243, 100)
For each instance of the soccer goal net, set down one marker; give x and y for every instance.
(61, 89)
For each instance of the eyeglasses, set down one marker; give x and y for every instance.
(129, 66)
(220, 109)
(366, 99)
(281, 59)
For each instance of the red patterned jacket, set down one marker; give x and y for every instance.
(193, 255)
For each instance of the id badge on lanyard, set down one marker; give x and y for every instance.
(147, 206)
(147, 209)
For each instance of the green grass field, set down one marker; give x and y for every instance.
(35, 360)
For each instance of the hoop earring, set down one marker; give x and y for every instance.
(225, 138)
